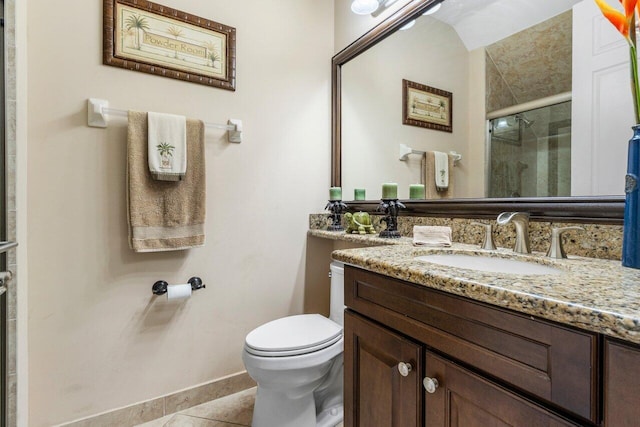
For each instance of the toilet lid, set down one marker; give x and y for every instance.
(293, 335)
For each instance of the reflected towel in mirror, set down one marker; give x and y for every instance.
(441, 170)
(429, 170)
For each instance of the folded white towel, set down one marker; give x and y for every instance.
(441, 170)
(167, 146)
(431, 235)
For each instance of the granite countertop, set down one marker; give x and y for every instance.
(362, 239)
(591, 294)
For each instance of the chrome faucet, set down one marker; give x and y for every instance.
(521, 221)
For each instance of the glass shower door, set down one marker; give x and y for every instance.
(530, 153)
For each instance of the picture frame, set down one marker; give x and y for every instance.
(151, 38)
(427, 107)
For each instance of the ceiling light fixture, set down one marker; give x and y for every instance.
(501, 123)
(433, 9)
(364, 7)
(408, 25)
(373, 7)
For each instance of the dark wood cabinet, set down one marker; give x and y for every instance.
(376, 393)
(621, 384)
(494, 367)
(465, 399)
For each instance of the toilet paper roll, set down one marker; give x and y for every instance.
(178, 291)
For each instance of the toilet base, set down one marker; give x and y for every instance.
(270, 412)
(274, 408)
(330, 417)
(277, 409)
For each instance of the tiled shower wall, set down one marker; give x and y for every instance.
(10, 138)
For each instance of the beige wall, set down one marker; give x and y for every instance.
(98, 339)
(472, 168)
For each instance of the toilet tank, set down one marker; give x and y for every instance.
(336, 309)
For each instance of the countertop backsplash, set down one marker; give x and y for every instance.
(601, 241)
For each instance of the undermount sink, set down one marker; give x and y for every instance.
(489, 264)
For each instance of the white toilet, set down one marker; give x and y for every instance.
(297, 363)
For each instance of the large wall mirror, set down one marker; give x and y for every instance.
(538, 124)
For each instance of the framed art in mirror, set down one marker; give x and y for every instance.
(143, 36)
(425, 106)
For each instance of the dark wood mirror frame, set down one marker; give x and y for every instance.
(599, 209)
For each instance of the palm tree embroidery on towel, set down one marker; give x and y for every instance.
(166, 154)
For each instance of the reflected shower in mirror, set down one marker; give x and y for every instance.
(530, 153)
(537, 109)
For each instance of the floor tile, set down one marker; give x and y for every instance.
(236, 408)
(180, 420)
(160, 422)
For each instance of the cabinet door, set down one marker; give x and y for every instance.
(464, 399)
(621, 385)
(376, 394)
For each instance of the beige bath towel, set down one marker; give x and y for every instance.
(431, 192)
(164, 215)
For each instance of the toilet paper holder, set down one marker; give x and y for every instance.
(160, 287)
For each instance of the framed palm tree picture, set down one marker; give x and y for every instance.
(144, 36)
(427, 107)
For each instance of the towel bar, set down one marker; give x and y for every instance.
(98, 110)
(5, 246)
(405, 150)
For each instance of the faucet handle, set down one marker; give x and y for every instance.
(556, 249)
(487, 242)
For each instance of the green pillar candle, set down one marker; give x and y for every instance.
(335, 193)
(416, 191)
(359, 194)
(390, 190)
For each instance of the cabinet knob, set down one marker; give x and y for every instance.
(404, 368)
(430, 384)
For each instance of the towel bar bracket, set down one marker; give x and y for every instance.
(98, 110)
(95, 113)
(235, 134)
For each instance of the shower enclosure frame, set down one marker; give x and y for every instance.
(4, 369)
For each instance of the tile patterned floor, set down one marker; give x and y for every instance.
(230, 411)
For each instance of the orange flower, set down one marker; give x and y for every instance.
(629, 7)
(622, 21)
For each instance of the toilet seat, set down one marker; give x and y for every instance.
(293, 335)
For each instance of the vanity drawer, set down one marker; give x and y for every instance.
(540, 358)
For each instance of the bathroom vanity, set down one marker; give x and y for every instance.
(429, 345)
